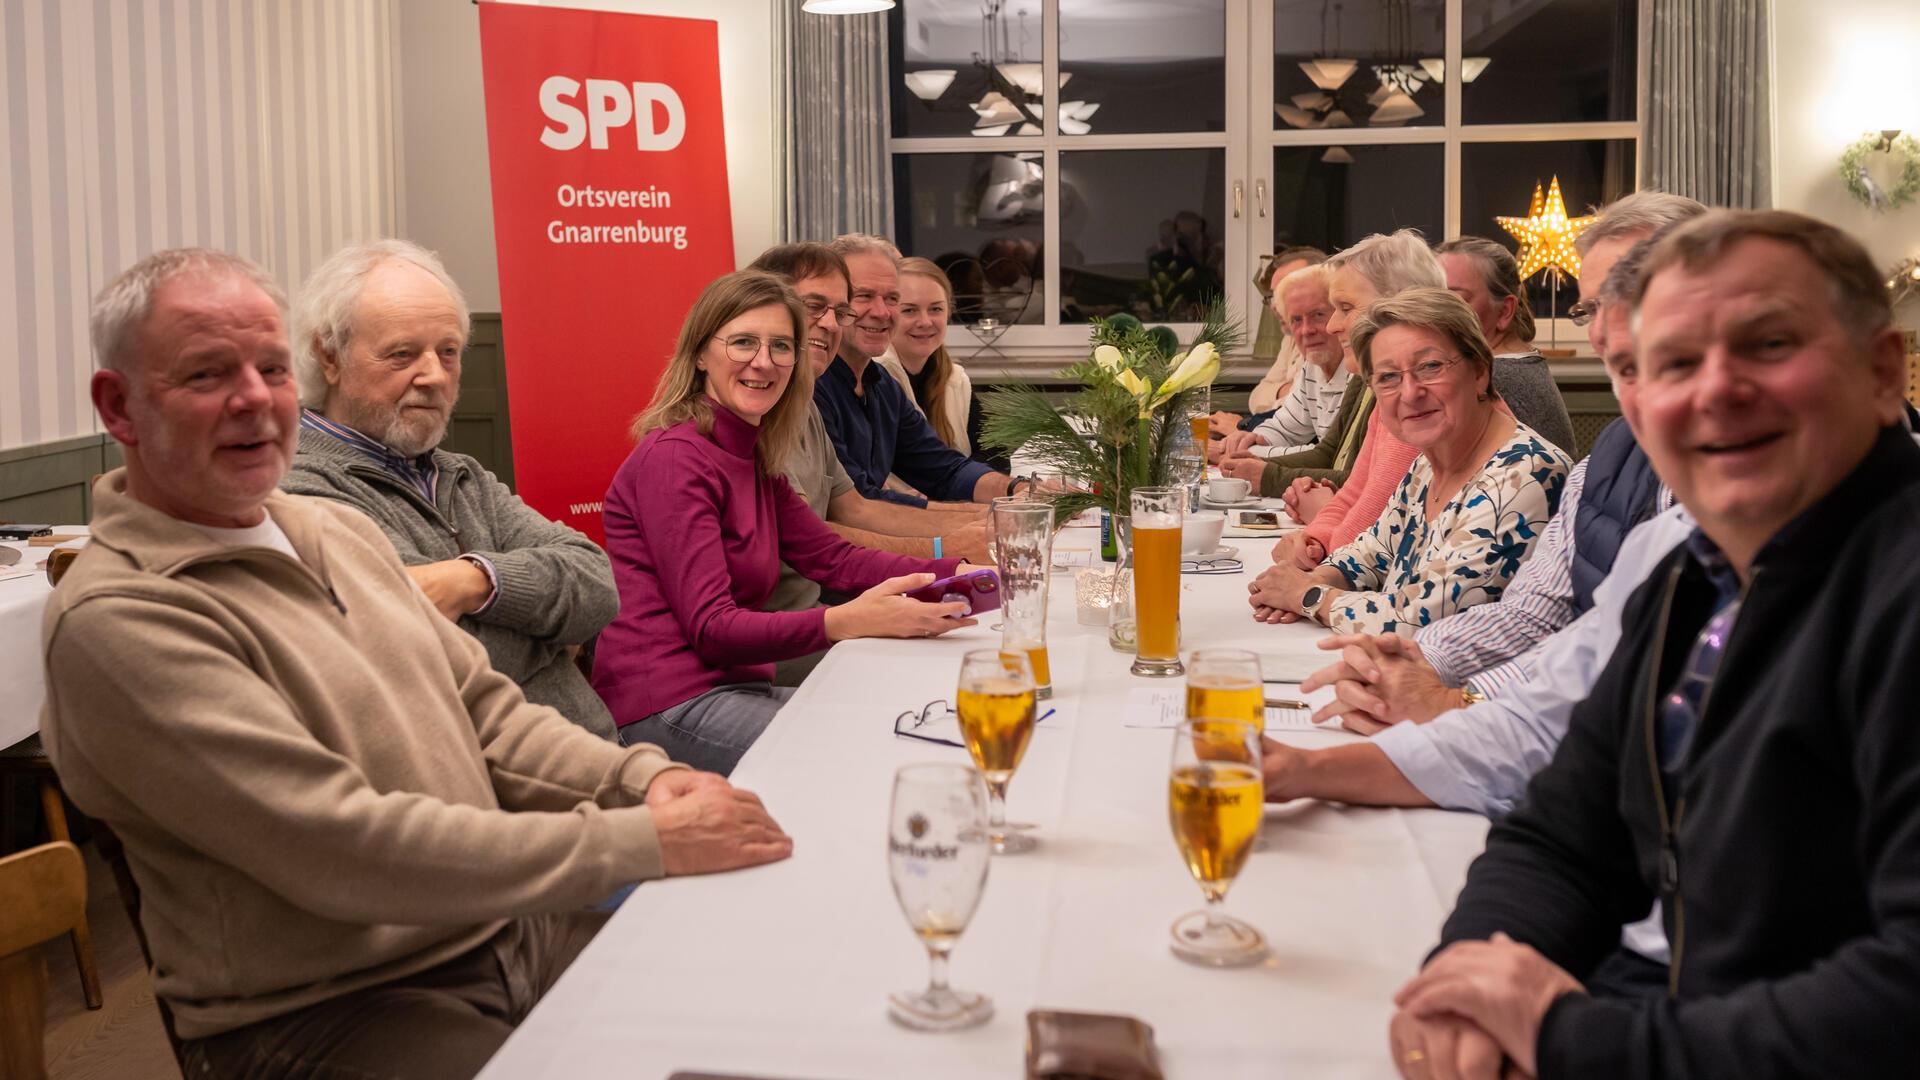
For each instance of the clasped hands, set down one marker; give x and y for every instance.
(1474, 1012)
(1379, 680)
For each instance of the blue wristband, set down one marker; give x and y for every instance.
(936, 547)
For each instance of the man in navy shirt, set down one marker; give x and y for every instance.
(875, 427)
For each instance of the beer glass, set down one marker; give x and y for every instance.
(1023, 534)
(1215, 800)
(1157, 515)
(1225, 683)
(1200, 423)
(937, 855)
(995, 700)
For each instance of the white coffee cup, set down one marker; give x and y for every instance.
(1227, 489)
(1200, 532)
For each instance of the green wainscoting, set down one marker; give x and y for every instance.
(53, 482)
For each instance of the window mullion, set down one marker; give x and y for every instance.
(1050, 164)
(1450, 166)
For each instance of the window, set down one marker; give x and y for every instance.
(1065, 159)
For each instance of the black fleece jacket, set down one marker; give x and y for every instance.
(1789, 865)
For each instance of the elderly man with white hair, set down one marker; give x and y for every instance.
(360, 850)
(377, 336)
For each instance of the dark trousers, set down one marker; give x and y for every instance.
(442, 1024)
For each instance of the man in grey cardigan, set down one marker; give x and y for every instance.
(378, 331)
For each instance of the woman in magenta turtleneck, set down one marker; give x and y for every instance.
(698, 520)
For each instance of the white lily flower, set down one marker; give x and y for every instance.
(1109, 358)
(1197, 368)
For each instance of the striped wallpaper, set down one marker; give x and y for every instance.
(264, 127)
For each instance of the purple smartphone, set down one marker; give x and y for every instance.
(980, 590)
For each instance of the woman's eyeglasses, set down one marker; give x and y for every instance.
(1584, 312)
(742, 348)
(1426, 373)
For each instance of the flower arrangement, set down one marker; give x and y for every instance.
(1127, 422)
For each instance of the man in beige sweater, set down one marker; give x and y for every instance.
(360, 850)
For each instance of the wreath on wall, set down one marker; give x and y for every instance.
(1860, 182)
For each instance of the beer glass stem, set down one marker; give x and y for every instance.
(997, 808)
(936, 971)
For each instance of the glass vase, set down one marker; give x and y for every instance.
(1120, 619)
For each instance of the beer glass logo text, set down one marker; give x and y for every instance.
(588, 114)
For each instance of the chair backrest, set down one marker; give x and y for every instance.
(43, 890)
(58, 560)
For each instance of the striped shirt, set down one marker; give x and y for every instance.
(1307, 414)
(1488, 644)
(420, 474)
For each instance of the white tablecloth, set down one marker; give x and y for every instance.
(23, 685)
(783, 970)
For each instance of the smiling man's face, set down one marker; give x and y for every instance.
(1754, 399)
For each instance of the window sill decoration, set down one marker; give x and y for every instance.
(1859, 180)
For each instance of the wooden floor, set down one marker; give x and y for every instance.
(123, 1040)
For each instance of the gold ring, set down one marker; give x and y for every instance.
(1413, 1057)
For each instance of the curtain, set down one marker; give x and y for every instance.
(1706, 132)
(830, 84)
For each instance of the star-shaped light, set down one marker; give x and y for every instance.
(1547, 234)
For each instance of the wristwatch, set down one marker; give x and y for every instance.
(1013, 485)
(1470, 697)
(1311, 600)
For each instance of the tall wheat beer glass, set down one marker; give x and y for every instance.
(995, 702)
(1215, 800)
(1157, 513)
(1023, 540)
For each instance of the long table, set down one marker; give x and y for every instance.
(23, 684)
(783, 970)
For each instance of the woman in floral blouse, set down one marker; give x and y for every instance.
(1469, 510)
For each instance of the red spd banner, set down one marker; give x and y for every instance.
(610, 215)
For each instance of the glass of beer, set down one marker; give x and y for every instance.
(937, 855)
(995, 700)
(1215, 799)
(1157, 514)
(1200, 423)
(993, 541)
(1023, 533)
(1226, 683)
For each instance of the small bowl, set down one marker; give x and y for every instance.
(1200, 532)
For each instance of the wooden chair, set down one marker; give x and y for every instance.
(43, 890)
(28, 759)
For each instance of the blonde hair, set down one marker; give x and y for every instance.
(680, 395)
(940, 364)
(1438, 310)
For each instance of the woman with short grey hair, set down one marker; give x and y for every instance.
(1465, 515)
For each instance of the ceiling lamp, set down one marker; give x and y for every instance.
(928, 85)
(845, 7)
(996, 109)
(1074, 116)
(1337, 155)
(1028, 129)
(997, 129)
(1337, 118)
(1470, 68)
(1314, 100)
(1296, 116)
(1028, 76)
(1397, 108)
(1329, 74)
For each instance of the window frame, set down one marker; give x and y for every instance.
(1249, 142)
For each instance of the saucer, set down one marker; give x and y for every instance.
(1224, 551)
(1251, 502)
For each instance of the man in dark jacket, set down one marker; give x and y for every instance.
(1749, 756)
